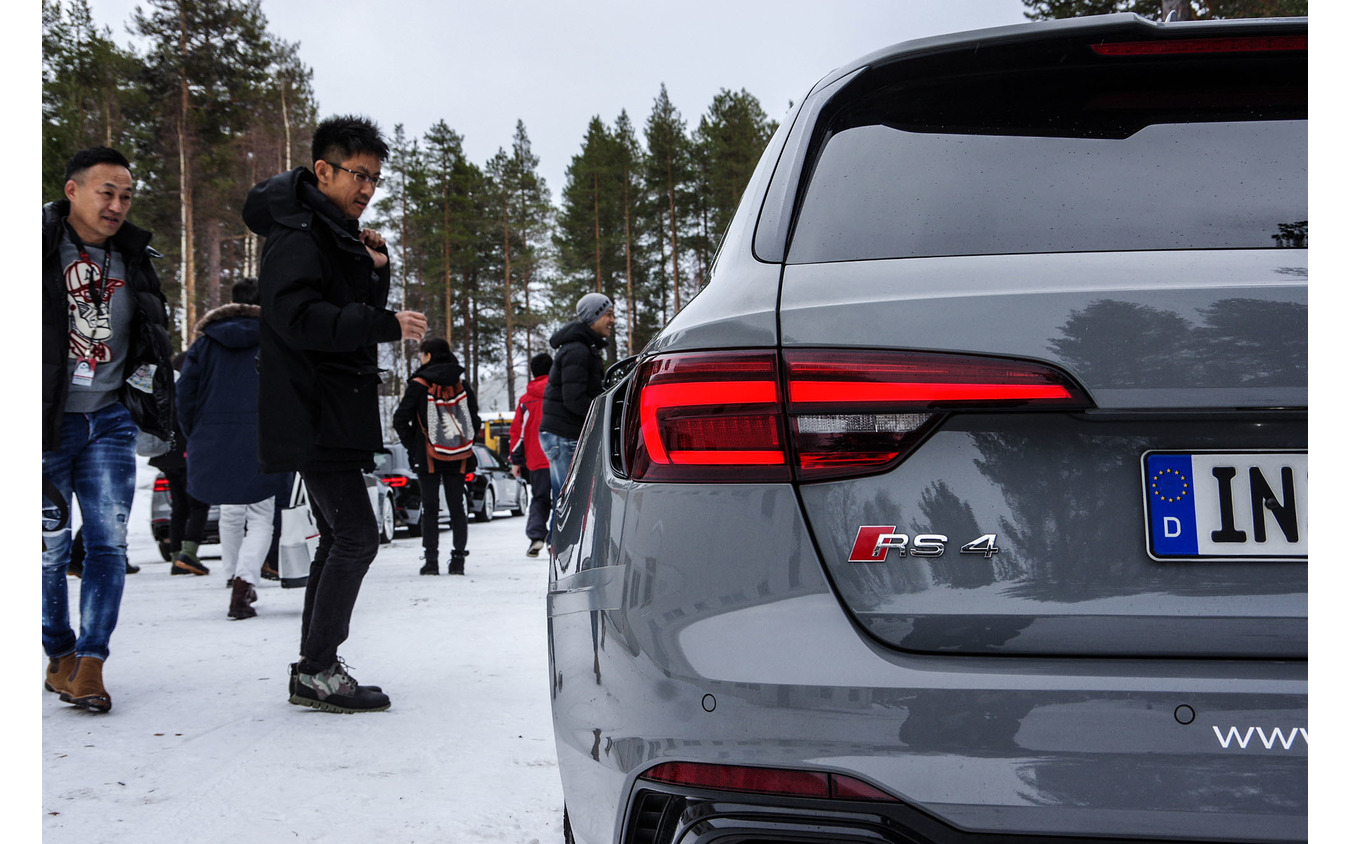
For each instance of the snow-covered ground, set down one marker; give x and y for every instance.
(202, 746)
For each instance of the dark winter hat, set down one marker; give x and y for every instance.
(591, 306)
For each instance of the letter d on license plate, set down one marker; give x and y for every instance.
(1248, 505)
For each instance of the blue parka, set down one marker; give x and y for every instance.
(218, 409)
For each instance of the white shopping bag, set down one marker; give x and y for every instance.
(299, 538)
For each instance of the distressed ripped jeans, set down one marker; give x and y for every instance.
(96, 462)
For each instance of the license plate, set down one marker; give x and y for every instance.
(1245, 505)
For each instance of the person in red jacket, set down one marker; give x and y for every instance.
(528, 458)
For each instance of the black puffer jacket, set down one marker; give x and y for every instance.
(323, 314)
(576, 378)
(410, 418)
(153, 411)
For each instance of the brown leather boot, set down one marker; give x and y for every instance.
(241, 596)
(59, 670)
(86, 685)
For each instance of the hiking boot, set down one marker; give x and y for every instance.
(241, 596)
(429, 567)
(59, 669)
(86, 685)
(535, 547)
(457, 562)
(295, 670)
(186, 563)
(334, 690)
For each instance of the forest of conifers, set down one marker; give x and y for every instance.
(213, 103)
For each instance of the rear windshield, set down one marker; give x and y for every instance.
(1101, 156)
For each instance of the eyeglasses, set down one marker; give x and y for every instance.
(361, 178)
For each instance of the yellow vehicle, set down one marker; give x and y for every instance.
(496, 434)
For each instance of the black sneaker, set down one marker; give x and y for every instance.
(295, 670)
(334, 690)
(535, 547)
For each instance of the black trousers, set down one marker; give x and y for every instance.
(348, 541)
(187, 515)
(431, 506)
(541, 504)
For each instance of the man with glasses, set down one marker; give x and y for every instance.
(324, 283)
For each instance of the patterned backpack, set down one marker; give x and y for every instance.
(449, 428)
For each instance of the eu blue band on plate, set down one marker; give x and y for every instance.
(1170, 485)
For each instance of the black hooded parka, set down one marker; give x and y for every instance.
(577, 377)
(323, 314)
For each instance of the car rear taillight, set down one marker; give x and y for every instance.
(814, 414)
(394, 480)
(817, 784)
(161, 485)
(468, 479)
(707, 416)
(861, 412)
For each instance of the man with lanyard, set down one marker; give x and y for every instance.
(105, 374)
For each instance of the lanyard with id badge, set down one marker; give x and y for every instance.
(87, 364)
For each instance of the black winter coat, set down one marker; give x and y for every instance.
(410, 418)
(323, 314)
(153, 412)
(218, 409)
(576, 378)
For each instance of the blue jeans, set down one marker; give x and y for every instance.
(97, 462)
(559, 451)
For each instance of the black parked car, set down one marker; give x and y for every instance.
(490, 487)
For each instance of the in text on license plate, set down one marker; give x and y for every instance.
(1248, 505)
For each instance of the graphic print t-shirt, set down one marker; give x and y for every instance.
(100, 320)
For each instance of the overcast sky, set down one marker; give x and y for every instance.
(482, 66)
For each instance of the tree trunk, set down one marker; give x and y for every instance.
(445, 257)
(286, 125)
(595, 181)
(214, 295)
(628, 259)
(506, 248)
(674, 235)
(188, 275)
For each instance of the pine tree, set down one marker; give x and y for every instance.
(629, 165)
(206, 70)
(590, 222)
(730, 139)
(89, 96)
(667, 175)
(443, 215)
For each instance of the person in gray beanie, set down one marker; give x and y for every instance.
(574, 381)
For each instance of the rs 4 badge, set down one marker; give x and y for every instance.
(874, 543)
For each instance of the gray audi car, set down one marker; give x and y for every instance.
(968, 501)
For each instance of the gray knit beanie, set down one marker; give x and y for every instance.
(591, 306)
